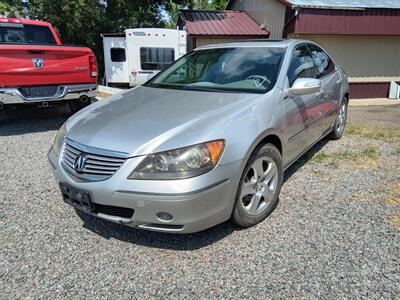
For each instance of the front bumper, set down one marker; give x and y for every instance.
(193, 208)
(64, 92)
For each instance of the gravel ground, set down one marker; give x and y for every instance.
(335, 233)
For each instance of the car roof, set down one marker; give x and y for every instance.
(256, 43)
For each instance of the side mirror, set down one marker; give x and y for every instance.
(304, 86)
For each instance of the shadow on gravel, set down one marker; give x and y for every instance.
(185, 242)
(30, 119)
(304, 159)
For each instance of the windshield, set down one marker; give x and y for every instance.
(247, 69)
(25, 34)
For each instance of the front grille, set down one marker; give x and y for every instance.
(122, 212)
(39, 91)
(94, 168)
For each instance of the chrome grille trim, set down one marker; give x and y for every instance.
(97, 167)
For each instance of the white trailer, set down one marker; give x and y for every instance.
(132, 57)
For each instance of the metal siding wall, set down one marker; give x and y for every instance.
(268, 12)
(369, 90)
(354, 22)
(362, 56)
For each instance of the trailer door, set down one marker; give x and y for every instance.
(115, 60)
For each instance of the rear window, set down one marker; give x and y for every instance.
(156, 58)
(25, 34)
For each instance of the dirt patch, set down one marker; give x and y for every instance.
(103, 95)
(360, 197)
(394, 220)
(375, 116)
(394, 194)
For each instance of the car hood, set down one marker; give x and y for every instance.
(143, 119)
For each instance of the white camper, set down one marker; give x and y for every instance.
(139, 53)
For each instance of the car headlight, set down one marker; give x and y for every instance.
(59, 139)
(180, 163)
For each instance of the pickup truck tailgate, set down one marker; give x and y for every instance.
(27, 65)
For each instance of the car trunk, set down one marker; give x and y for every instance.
(28, 65)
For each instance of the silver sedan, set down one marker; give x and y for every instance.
(206, 140)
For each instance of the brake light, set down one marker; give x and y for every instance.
(93, 66)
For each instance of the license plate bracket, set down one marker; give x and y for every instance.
(77, 198)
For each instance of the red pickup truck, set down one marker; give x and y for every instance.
(36, 68)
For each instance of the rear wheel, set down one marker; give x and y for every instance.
(78, 104)
(259, 187)
(340, 122)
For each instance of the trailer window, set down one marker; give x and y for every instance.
(156, 58)
(118, 54)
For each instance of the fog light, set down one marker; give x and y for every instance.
(163, 216)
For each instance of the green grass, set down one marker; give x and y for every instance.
(387, 134)
(370, 152)
(319, 157)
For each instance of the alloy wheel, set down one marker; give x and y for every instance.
(259, 185)
(341, 118)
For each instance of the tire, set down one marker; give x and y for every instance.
(257, 196)
(77, 105)
(340, 122)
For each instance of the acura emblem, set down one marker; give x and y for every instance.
(37, 62)
(79, 163)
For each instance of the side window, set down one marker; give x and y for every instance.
(322, 61)
(302, 65)
(156, 58)
(118, 54)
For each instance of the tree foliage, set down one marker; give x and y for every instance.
(192, 4)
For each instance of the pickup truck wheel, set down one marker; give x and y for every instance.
(77, 105)
(259, 188)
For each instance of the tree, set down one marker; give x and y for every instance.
(7, 10)
(219, 4)
(173, 11)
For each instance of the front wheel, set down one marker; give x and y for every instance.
(259, 186)
(340, 122)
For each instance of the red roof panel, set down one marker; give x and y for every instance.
(360, 22)
(228, 23)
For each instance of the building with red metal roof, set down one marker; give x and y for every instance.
(208, 27)
(361, 35)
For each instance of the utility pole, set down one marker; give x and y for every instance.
(25, 7)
